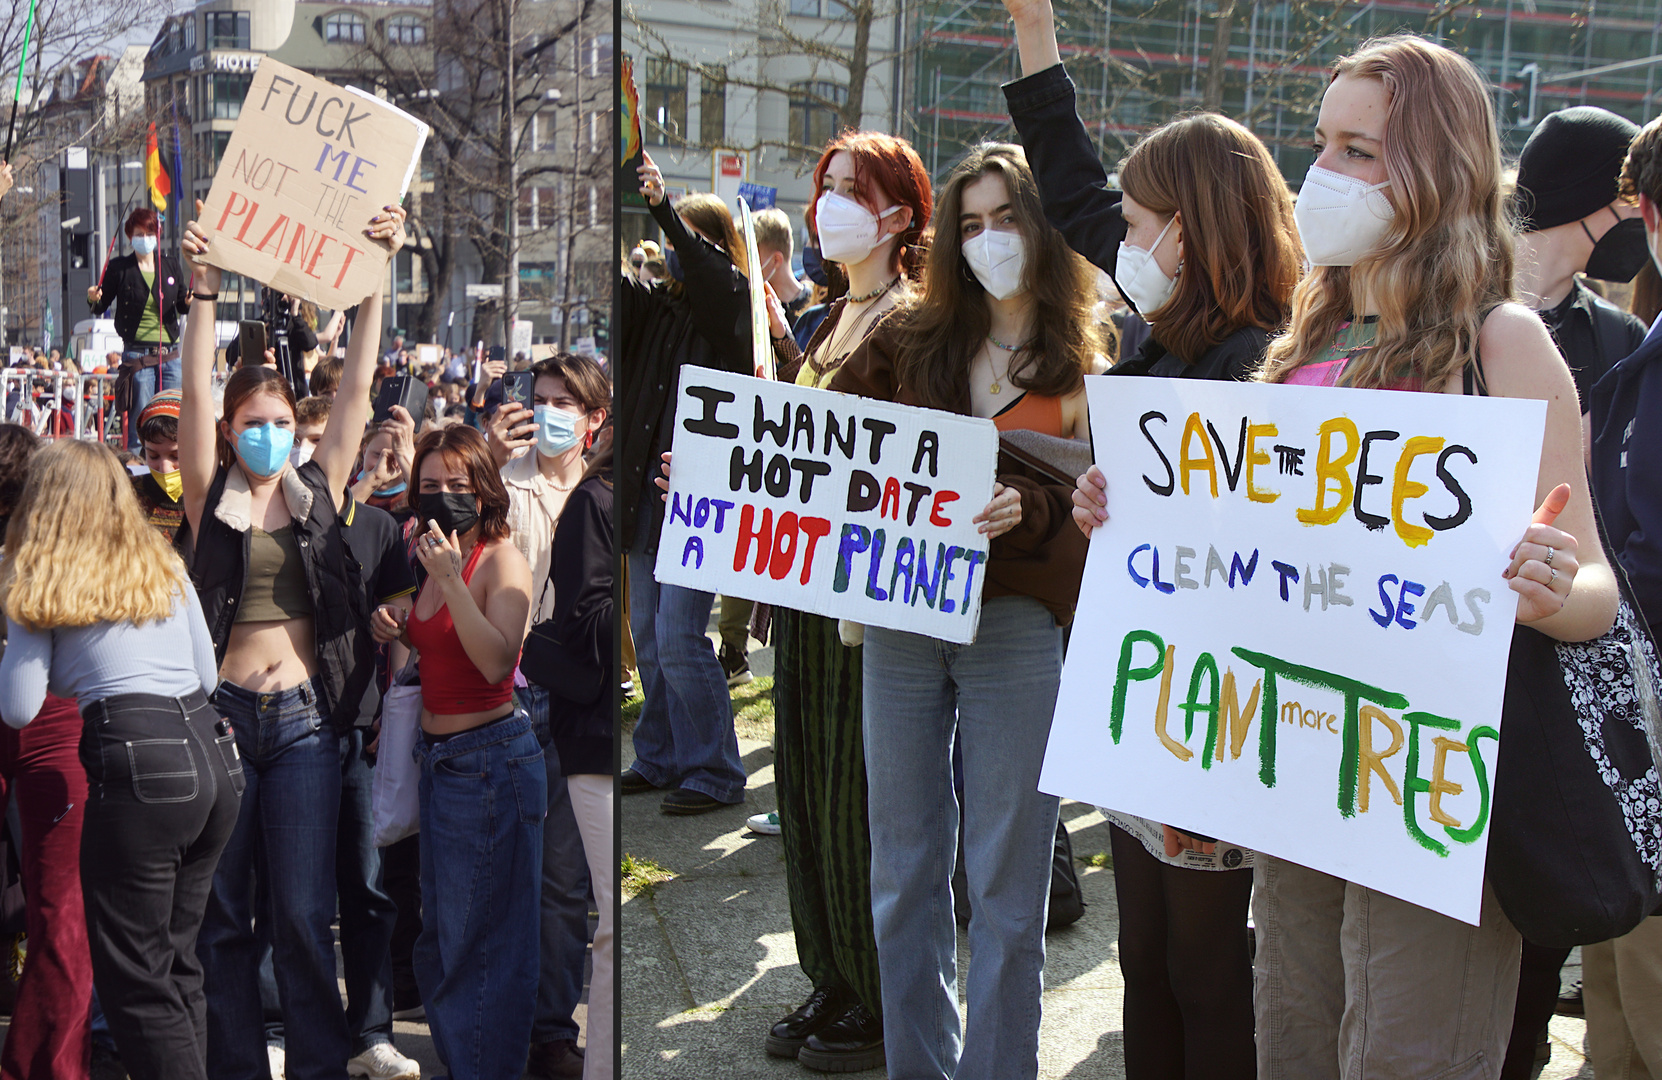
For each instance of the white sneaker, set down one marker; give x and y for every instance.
(382, 1061)
(274, 1056)
(767, 824)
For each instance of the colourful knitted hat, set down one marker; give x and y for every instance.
(165, 403)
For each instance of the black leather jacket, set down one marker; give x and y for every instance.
(340, 612)
(123, 285)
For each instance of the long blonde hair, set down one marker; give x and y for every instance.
(1448, 258)
(79, 550)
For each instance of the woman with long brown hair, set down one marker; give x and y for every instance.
(162, 775)
(1201, 241)
(484, 787)
(285, 607)
(1002, 329)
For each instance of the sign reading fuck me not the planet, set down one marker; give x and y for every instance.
(1293, 630)
(827, 503)
(308, 164)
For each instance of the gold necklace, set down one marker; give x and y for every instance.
(998, 381)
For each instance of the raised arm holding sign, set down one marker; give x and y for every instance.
(307, 162)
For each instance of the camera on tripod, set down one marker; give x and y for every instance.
(272, 330)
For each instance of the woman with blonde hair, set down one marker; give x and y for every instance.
(129, 642)
(1403, 220)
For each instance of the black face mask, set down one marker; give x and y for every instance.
(1620, 253)
(674, 264)
(454, 513)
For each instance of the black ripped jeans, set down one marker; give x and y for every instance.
(164, 784)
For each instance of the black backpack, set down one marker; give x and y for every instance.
(1067, 901)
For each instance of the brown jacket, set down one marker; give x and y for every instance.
(1044, 555)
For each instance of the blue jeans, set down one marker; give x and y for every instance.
(367, 914)
(684, 737)
(145, 388)
(565, 894)
(483, 796)
(994, 697)
(285, 834)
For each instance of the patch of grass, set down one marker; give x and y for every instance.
(1100, 860)
(752, 708)
(642, 876)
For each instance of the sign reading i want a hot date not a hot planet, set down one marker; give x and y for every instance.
(308, 164)
(828, 503)
(1293, 631)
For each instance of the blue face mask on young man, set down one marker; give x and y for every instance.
(264, 450)
(556, 430)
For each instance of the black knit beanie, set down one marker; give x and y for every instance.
(1571, 166)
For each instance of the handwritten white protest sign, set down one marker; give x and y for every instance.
(1293, 630)
(306, 167)
(827, 503)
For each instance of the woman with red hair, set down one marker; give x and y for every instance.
(873, 205)
(149, 292)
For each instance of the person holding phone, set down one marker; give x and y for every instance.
(484, 789)
(290, 630)
(568, 403)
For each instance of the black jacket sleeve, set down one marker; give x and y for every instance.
(719, 296)
(582, 568)
(179, 300)
(1072, 182)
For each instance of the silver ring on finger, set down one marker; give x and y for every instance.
(1554, 576)
(1550, 553)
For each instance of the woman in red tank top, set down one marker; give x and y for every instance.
(484, 787)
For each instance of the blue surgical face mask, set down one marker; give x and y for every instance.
(674, 263)
(396, 489)
(144, 244)
(814, 266)
(556, 430)
(264, 450)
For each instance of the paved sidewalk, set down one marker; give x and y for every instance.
(708, 959)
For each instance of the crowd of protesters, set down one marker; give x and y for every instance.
(202, 631)
(1425, 267)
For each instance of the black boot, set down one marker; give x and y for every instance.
(853, 1043)
(823, 1007)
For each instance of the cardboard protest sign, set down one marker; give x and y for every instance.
(1293, 631)
(761, 340)
(826, 503)
(307, 166)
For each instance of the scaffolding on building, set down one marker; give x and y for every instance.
(1139, 63)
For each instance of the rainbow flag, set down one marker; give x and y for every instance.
(629, 144)
(155, 177)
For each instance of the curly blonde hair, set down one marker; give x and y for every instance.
(1448, 258)
(79, 550)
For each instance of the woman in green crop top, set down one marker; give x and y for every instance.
(291, 638)
(276, 589)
